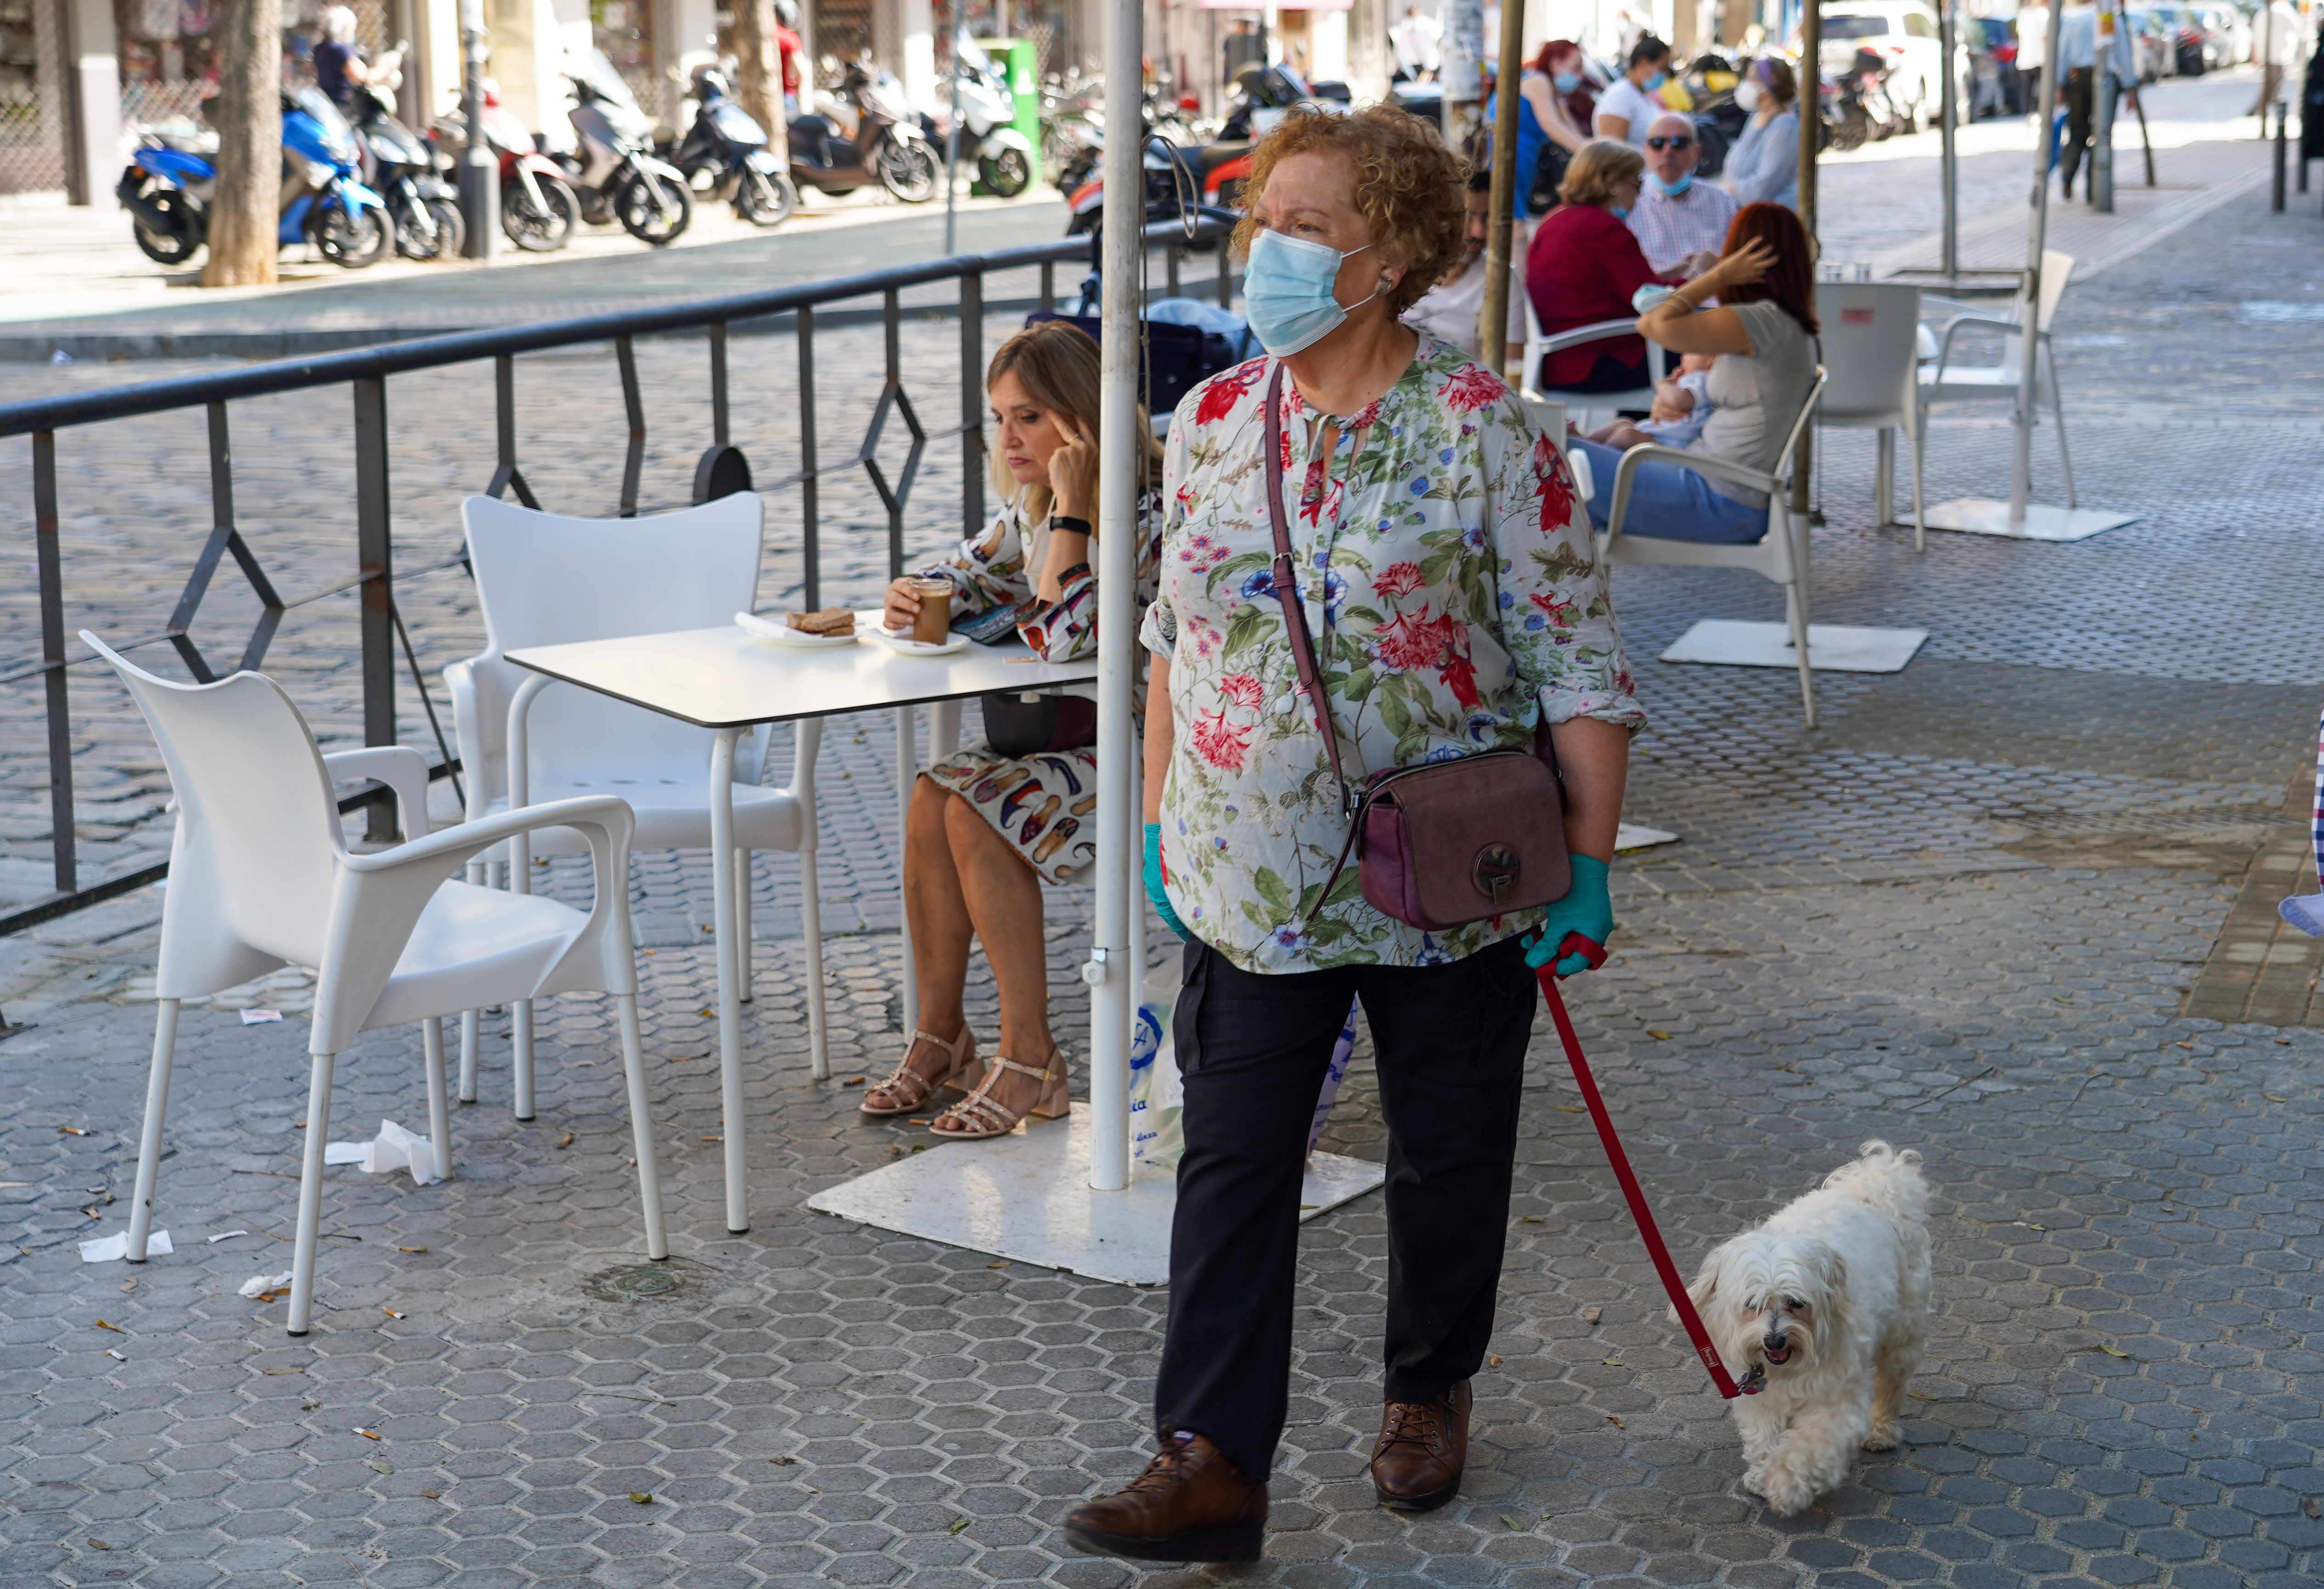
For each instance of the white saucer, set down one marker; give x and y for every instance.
(783, 634)
(952, 642)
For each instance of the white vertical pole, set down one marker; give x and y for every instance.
(2021, 468)
(1948, 112)
(1112, 978)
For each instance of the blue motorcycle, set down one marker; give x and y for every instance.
(172, 180)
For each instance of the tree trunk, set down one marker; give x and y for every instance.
(248, 116)
(758, 71)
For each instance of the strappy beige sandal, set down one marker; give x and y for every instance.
(981, 1117)
(907, 1089)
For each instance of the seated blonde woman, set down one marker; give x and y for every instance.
(984, 830)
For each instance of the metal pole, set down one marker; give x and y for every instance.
(374, 562)
(2103, 90)
(49, 549)
(2029, 341)
(1113, 977)
(2283, 116)
(1948, 112)
(1811, 104)
(1492, 322)
(952, 153)
(480, 173)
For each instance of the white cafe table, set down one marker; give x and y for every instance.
(723, 679)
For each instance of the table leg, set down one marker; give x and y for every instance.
(907, 772)
(730, 1002)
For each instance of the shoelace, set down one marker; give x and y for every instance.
(1163, 1469)
(1414, 1422)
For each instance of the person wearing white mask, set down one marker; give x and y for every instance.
(1628, 108)
(1764, 166)
(1443, 564)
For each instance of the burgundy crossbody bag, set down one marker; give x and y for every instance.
(1445, 842)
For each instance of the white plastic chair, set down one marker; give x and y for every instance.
(1587, 405)
(260, 877)
(546, 580)
(1781, 555)
(1871, 346)
(1947, 382)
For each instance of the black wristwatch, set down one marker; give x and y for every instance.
(1067, 522)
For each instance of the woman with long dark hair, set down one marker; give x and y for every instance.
(1762, 340)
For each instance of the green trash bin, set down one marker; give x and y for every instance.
(1020, 60)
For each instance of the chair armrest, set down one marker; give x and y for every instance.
(1985, 322)
(1598, 331)
(608, 815)
(398, 766)
(1701, 464)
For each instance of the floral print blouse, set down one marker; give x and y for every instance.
(1456, 600)
(992, 576)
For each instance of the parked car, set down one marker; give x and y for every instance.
(2153, 45)
(1903, 33)
(2227, 35)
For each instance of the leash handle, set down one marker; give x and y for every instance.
(1688, 1318)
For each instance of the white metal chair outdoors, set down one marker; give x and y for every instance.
(546, 580)
(1586, 403)
(1870, 346)
(260, 877)
(1944, 381)
(1781, 555)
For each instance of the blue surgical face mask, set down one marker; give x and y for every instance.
(1673, 188)
(1655, 80)
(1567, 81)
(1620, 212)
(1287, 289)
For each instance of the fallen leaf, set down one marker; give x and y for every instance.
(1612, 1419)
(919, 1147)
(567, 1142)
(380, 1468)
(433, 1495)
(74, 1131)
(411, 1249)
(128, 1286)
(783, 1461)
(854, 1080)
(2109, 1350)
(283, 1371)
(115, 1328)
(1613, 1362)
(1570, 1109)
(1492, 1362)
(1660, 1037)
(957, 1525)
(1304, 1207)
(1590, 1316)
(1003, 1264)
(91, 1211)
(2272, 1098)
(98, 1544)
(391, 1313)
(2037, 1227)
(1512, 1524)
(641, 1498)
(1919, 1396)
(711, 1013)
(1528, 1219)
(368, 1434)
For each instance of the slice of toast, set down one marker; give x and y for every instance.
(830, 621)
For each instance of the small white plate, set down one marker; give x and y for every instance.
(900, 643)
(783, 634)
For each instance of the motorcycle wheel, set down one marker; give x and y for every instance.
(764, 200)
(532, 228)
(430, 229)
(1848, 132)
(648, 221)
(352, 239)
(1007, 173)
(177, 246)
(908, 170)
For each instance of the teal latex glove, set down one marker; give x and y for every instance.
(1154, 890)
(1586, 909)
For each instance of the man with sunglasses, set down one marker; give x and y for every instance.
(1681, 223)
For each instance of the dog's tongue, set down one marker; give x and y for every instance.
(1780, 1356)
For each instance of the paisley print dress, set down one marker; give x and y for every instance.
(1044, 805)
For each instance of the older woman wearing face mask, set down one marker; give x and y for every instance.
(1764, 166)
(1447, 573)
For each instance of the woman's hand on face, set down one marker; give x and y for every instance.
(1073, 471)
(1747, 264)
(902, 604)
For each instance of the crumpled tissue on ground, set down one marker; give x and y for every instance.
(393, 1148)
(107, 1249)
(259, 1284)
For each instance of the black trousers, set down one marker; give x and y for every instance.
(1450, 1043)
(2080, 88)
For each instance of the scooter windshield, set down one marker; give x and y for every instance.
(606, 82)
(338, 139)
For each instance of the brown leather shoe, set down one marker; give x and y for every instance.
(1190, 1504)
(1422, 1446)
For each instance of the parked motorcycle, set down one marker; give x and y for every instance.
(1003, 155)
(171, 181)
(616, 174)
(1206, 176)
(873, 137)
(725, 155)
(538, 208)
(423, 209)
(1856, 109)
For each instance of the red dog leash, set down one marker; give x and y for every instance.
(1575, 944)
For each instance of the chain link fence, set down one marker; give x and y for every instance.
(32, 98)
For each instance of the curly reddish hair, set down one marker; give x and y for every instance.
(1790, 281)
(1410, 189)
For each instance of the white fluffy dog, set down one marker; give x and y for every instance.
(1825, 1306)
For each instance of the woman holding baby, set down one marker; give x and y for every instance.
(1749, 363)
(989, 824)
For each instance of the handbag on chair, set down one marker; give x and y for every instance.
(1442, 844)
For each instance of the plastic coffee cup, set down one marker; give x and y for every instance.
(933, 625)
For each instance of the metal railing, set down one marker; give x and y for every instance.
(384, 640)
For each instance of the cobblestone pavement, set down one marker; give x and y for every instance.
(1964, 916)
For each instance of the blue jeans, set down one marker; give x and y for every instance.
(1668, 503)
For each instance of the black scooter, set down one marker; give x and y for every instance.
(422, 208)
(725, 155)
(885, 146)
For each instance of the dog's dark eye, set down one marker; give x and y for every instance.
(1793, 1305)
